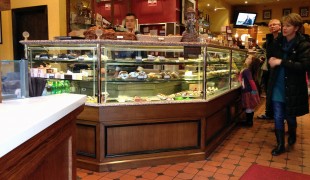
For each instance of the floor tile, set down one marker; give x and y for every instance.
(163, 177)
(150, 175)
(185, 176)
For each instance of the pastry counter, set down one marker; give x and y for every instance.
(148, 103)
(38, 137)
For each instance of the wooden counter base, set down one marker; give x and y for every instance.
(48, 155)
(120, 137)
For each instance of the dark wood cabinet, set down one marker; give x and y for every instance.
(130, 136)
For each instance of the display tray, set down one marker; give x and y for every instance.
(66, 60)
(151, 98)
(173, 60)
(151, 80)
(68, 37)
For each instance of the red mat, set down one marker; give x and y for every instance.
(260, 172)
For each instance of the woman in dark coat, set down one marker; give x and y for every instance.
(288, 93)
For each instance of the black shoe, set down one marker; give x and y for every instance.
(264, 116)
(291, 135)
(246, 123)
(249, 120)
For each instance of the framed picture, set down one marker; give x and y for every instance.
(186, 4)
(304, 11)
(5, 5)
(286, 11)
(267, 14)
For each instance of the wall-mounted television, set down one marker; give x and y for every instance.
(244, 19)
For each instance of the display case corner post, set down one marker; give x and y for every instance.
(204, 72)
(24, 75)
(230, 69)
(26, 52)
(99, 73)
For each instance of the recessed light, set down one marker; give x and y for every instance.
(208, 4)
(245, 2)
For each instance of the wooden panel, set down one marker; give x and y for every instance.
(150, 138)
(155, 111)
(86, 144)
(235, 110)
(59, 159)
(221, 102)
(215, 123)
(90, 113)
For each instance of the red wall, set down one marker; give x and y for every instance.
(164, 11)
(120, 10)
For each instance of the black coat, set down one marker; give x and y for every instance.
(270, 40)
(296, 64)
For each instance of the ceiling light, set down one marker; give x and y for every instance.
(219, 8)
(245, 2)
(208, 4)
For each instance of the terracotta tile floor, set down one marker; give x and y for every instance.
(244, 147)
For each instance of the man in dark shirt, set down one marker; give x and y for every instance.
(275, 29)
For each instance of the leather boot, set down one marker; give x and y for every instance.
(280, 143)
(291, 135)
(249, 120)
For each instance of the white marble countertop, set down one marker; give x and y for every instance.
(22, 119)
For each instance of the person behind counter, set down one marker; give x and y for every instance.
(131, 23)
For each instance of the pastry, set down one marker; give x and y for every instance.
(123, 75)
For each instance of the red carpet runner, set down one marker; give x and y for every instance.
(260, 172)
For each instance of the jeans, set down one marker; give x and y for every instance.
(280, 115)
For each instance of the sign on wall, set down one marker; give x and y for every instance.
(5, 5)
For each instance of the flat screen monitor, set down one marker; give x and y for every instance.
(245, 19)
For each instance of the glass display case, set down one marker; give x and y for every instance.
(151, 73)
(237, 63)
(218, 71)
(68, 68)
(14, 79)
(133, 71)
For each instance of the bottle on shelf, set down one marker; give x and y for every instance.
(54, 87)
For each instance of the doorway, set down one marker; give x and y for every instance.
(31, 19)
